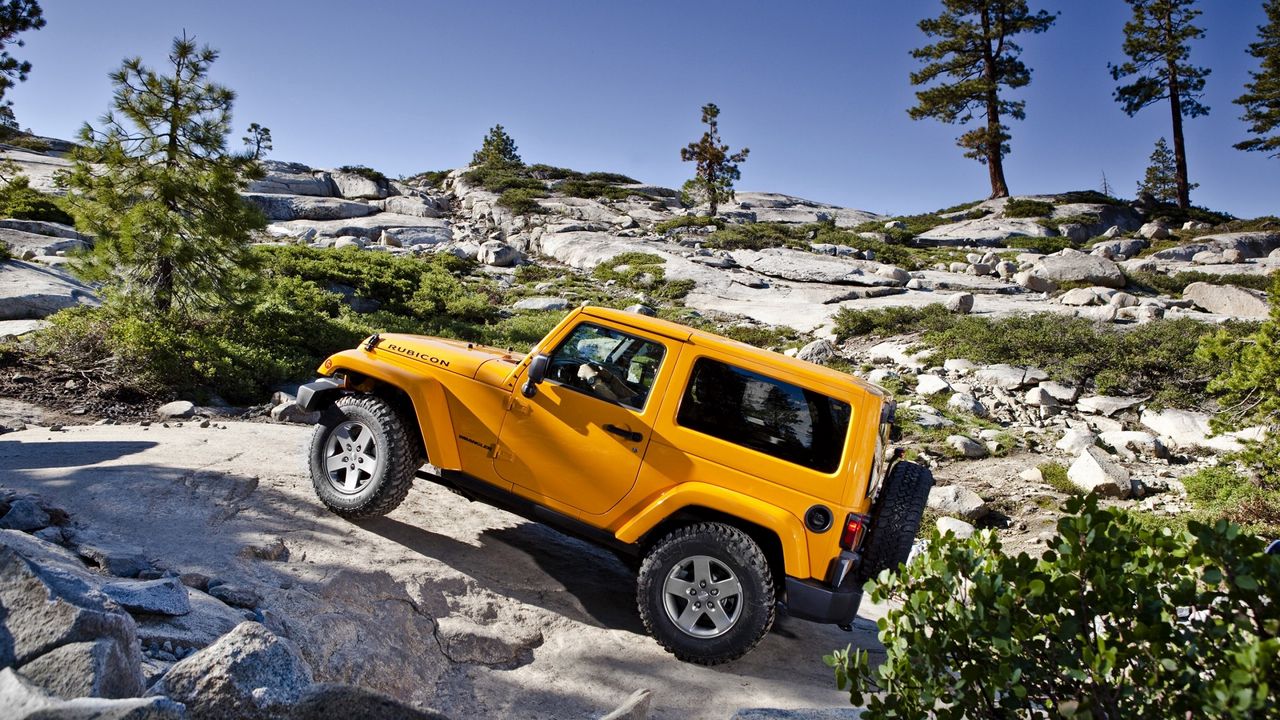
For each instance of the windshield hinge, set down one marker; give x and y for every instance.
(372, 342)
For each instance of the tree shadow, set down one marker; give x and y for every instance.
(70, 453)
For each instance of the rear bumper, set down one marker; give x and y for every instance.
(811, 600)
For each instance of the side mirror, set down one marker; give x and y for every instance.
(536, 374)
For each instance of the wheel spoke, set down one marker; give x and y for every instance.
(679, 587)
(335, 462)
(342, 435)
(719, 618)
(350, 479)
(702, 571)
(689, 618)
(366, 462)
(362, 442)
(728, 588)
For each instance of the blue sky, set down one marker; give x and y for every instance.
(817, 90)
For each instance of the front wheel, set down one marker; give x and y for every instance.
(362, 457)
(706, 593)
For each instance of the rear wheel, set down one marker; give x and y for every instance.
(362, 457)
(895, 519)
(706, 593)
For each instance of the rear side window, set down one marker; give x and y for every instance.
(771, 416)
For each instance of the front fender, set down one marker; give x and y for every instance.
(788, 528)
(430, 406)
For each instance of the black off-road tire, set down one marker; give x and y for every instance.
(399, 456)
(729, 549)
(895, 519)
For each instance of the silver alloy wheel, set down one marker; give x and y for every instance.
(702, 597)
(352, 457)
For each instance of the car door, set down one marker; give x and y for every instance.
(578, 442)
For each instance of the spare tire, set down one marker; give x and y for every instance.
(895, 519)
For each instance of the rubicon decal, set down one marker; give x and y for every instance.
(416, 355)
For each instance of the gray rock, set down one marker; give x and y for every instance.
(1129, 444)
(641, 310)
(33, 292)
(1233, 256)
(236, 596)
(178, 409)
(21, 700)
(964, 402)
(303, 207)
(26, 515)
(1009, 377)
(166, 596)
(1095, 471)
(928, 385)
(966, 446)
(542, 303)
(292, 179)
(101, 668)
(1076, 440)
(123, 561)
(635, 707)
(961, 529)
(330, 702)
(358, 187)
(291, 412)
(1123, 300)
(1060, 392)
(1105, 405)
(1039, 397)
(1119, 248)
(1228, 300)
(957, 501)
(208, 620)
(799, 266)
(1154, 231)
(498, 254)
(1079, 297)
(1035, 283)
(880, 375)
(249, 674)
(1073, 266)
(465, 641)
(961, 303)
(819, 351)
(411, 205)
(1185, 429)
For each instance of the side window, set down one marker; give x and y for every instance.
(608, 364)
(758, 412)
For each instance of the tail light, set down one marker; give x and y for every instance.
(855, 527)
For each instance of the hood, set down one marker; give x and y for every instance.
(456, 356)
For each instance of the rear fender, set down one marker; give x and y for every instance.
(430, 407)
(788, 528)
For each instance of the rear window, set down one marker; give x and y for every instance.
(768, 415)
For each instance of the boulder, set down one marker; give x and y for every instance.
(964, 402)
(1185, 429)
(1123, 300)
(1009, 377)
(249, 674)
(1039, 397)
(961, 529)
(236, 595)
(292, 179)
(1129, 444)
(22, 700)
(1060, 392)
(165, 596)
(1154, 231)
(23, 241)
(985, 231)
(291, 412)
(542, 303)
(1073, 266)
(34, 292)
(304, 207)
(1095, 471)
(176, 410)
(820, 351)
(98, 668)
(1035, 283)
(26, 515)
(961, 303)
(354, 186)
(799, 266)
(1119, 248)
(1076, 440)
(927, 385)
(498, 254)
(1078, 297)
(1228, 300)
(967, 447)
(411, 205)
(957, 501)
(1105, 405)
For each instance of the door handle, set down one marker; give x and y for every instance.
(624, 433)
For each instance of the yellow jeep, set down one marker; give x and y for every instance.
(740, 478)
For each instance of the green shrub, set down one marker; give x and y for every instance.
(683, 221)
(1055, 476)
(1046, 245)
(642, 272)
(1224, 493)
(756, 236)
(1087, 196)
(367, 173)
(19, 200)
(590, 189)
(1023, 208)
(889, 321)
(27, 142)
(433, 178)
(500, 179)
(538, 273)
(1174, 285)
(769, 337)
(958, 208)
(1090, 630)
(522, 201)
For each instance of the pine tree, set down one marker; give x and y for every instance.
(716, 168)
(158, 188)
(1161, 179)
(16, 16)
(1261, 100)
(1157, 40)
(257, 141)
(497, 151)
(976, 57)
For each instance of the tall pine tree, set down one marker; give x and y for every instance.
(975, 57)
(1157, 40)
(716, 168)
(1261, 99)
(497, 151)
(16, 16)
(160, 191)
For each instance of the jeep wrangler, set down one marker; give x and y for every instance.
(739, 479)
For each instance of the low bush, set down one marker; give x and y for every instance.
(432, 178)
(5, 253)
(19, 200)
(1055, 476)
(523, 201)
(642, 272)
(27, 142)
(1046, 245)
(1092, 197)
(1023, 208)
(367, 173)
(502, 178)
(889, 321)
(592, 189)
(1222, 492)
(756, 236)
(1174, 285)
(683, 221)
(1095, 628)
